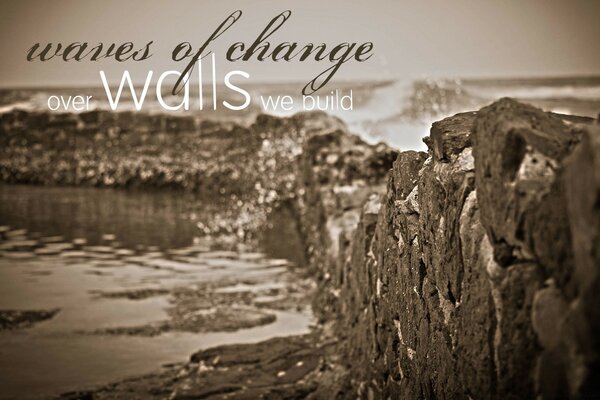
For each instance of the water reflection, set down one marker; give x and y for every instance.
(163, 219)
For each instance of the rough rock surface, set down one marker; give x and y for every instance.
(294, 367)
(476, 274)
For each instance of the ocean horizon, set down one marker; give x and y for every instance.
(397, 112)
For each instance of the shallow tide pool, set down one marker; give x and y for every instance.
(113, 259)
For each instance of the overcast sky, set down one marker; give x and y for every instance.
(437, 38)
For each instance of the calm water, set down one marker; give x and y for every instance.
(65, 245)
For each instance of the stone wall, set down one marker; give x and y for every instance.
(476, 274)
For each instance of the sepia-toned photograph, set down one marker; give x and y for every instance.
(312, 200)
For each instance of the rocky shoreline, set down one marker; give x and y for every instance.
(245, 172)
(291, 367)
(19, 319)
(469, 270)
